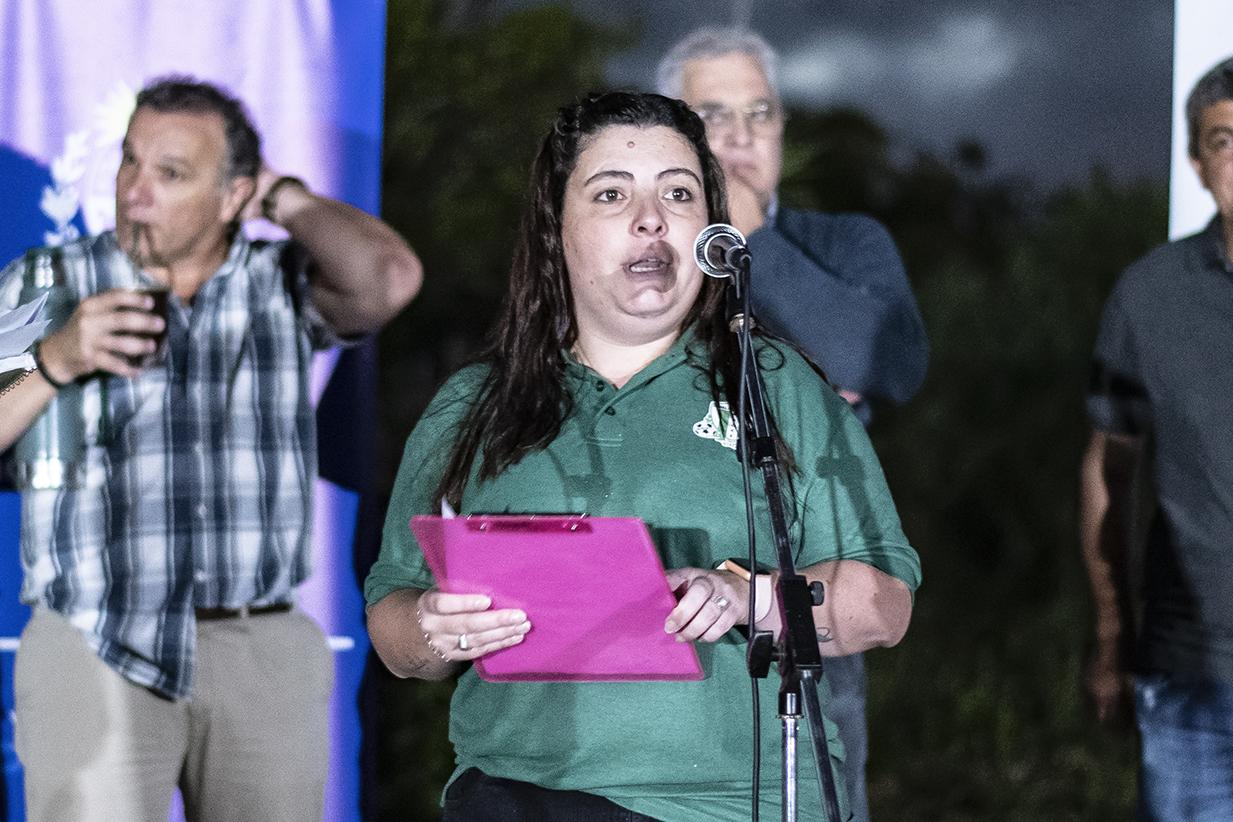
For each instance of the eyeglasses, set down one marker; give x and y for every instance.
(762, 118)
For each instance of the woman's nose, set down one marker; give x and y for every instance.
(650, 219)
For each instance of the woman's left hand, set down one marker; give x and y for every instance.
(709, 603)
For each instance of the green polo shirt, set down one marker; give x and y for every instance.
(658, 449)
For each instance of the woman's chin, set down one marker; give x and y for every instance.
(653, 307)
(656, 298)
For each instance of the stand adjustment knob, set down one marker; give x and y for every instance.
(817, 594)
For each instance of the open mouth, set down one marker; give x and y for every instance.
(656, 260)
(648, 265)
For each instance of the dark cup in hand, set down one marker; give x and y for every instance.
(156, 357)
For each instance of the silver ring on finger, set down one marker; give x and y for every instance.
(463, 644)
(721, 601)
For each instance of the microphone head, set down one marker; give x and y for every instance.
(715, 238)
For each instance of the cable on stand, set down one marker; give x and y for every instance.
(721, 252)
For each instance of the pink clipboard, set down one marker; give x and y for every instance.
(593, 589)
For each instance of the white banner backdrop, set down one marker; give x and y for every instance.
(1202, 37)
(65, 57)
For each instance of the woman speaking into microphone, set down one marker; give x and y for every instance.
(606, 388)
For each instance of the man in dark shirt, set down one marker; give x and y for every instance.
(831, 283)
(1161, 404)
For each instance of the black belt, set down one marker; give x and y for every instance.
(242, 611)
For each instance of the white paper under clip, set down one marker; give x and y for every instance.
(18, 329)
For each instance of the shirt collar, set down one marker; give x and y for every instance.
(1217, 251)
(125, 273)
(666, 361)
(237, 255)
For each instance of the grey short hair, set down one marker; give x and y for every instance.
(713, 42)
(1212, 88)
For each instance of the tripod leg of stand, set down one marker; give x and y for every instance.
(789, 712)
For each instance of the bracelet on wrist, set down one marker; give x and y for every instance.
(269, 202)
(36, 353)
(419, 622)
(16, 381)
(764, 595)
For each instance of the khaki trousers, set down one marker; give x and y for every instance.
(250, 744)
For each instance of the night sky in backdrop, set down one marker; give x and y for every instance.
(1049, 88)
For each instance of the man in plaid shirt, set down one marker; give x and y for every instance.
(164, 649)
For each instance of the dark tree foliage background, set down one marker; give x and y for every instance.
(978, 714)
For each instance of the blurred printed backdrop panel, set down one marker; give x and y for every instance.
(1201, 38)
(311, 72)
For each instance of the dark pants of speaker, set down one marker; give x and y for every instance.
(477, 797)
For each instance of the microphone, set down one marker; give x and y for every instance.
(720, 250)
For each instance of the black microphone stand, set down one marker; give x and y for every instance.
(796, 652)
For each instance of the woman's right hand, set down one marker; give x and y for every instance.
(462, 627)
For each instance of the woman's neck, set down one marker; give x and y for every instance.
(618, 362)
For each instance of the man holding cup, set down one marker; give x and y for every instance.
(164, 648)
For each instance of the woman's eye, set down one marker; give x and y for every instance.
(608, 195)
(680, 194)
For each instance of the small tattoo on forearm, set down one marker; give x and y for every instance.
(824, 635)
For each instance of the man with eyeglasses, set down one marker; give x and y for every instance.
(832, 283)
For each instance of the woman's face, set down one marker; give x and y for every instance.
(633, 207)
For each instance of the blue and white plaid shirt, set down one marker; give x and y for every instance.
(199, 473)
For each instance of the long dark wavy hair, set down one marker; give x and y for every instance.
(524, 400)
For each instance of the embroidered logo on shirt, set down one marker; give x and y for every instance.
(719, 424)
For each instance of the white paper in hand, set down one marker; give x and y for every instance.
(18, 329)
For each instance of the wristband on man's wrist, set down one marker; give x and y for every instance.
(39, 366)
(270, 201)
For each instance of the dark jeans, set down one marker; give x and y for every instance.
(477, 797)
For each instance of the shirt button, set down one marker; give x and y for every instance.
(200, 576)
(201, 510)
(599, 385)
(610, 411)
